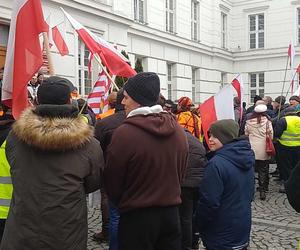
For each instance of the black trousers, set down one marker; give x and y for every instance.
(2, 226)
(263, 174)
(288, 158)
(189, 197)
(150, 229)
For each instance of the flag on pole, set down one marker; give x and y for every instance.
(216, 108)
(24, 53)
(115, 62)
(59, 41)
(50, 36)
(97, 99)
(291, 55)
(238, 85)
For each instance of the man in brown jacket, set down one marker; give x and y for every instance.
(145, 164)
(55, 161)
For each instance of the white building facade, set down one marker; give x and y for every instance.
(195, 46)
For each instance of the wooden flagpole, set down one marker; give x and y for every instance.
(96, 56)
(287, 62)
(46, 46)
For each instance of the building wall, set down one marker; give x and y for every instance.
(114, 20)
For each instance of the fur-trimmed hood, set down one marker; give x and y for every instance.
(52, 133)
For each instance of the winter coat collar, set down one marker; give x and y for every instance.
(54, 133)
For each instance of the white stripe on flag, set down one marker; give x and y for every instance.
(224, 103)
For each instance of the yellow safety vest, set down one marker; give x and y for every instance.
(6, 187)
(291, 136)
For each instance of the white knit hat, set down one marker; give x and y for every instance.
(260, 108)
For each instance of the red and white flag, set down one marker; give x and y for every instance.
(217, 107)
(238, 85)
(59, 41)
(50, 37)
(24, 53)
(115, 62)
(97, 99)
(291, 55)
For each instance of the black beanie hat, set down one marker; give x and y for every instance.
(144, 88)
(295, 98)
(54, 90)
(225, 130)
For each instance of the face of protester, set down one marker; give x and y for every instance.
(214, 143)
(294, 103)
(41, 78)
(129, 103)
(275, 105)
(1, 74)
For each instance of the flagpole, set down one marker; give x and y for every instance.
(96, 56)
(46, 46)
(291, 84)
(287, 62)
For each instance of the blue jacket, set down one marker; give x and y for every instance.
(226, 192)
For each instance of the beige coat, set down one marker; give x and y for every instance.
(257, 136)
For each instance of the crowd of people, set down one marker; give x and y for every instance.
(163, 186)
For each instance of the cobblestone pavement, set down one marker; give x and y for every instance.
(275, 225)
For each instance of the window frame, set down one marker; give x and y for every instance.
(169, 80)
(257, 31)
(256, 87)
(195, 21)
(82, 70)
(168, 13)
(137, 13)
(224, 30)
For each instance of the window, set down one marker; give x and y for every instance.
(256, 31)
(140, 11)
(169, 80)
(223, 79)
(194, 85)
(170, 16)
(257, 85)
(223, 30)
(195, 20)
(84, 78)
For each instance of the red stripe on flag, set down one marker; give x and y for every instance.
(27, 51)
(208, 115)
(59, 41)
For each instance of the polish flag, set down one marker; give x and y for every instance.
(291, 55)
(24, 53)
(115, 62)
(97, 99)
(50, 36)
(59, 41)
(216, 108)
(238, 85)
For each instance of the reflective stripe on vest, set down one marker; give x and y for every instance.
(6, 187)
(291, 136)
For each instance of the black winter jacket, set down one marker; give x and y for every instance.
(196, 162)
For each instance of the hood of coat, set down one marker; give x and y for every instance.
(52, 133)
(239, 153)
(158, 124)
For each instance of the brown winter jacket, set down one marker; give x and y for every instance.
(146, 162)
(54, 163)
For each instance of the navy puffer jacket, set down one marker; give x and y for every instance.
(226, 192)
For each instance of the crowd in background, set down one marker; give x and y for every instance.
(163, 186)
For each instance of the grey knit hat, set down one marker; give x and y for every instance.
(144, 88)
(225, 130)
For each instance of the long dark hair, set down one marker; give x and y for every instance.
(258, 116)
